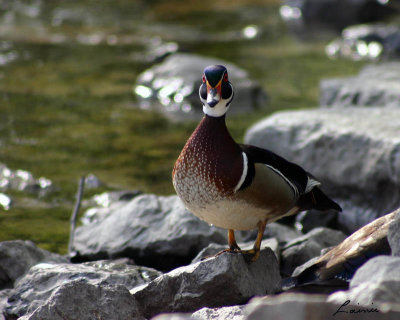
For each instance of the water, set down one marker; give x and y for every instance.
(67, 71)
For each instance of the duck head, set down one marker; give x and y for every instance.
(216, 92)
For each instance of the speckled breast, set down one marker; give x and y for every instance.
(208, 168)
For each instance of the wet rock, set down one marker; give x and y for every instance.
(17, 256)
(355, 154)
(375, 85)
(172, 87)
(311, 17)
(304, 248)
(92, 182)
(154, 231)
(214, 248)
(22, 180)
(366, 42)
(5, 201)
(101, 204)
(303, 307)
(85, 301)
(220, 281)
(377, 281)
(394, 236)
(42, 280)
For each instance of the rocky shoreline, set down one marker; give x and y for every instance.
(142, 256)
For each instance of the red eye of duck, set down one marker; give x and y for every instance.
(204, 78)
(226, 77)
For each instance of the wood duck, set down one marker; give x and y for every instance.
(340, 263)
(236, 186)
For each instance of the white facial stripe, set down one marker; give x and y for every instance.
(244, 172)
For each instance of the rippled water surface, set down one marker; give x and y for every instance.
(67, 69)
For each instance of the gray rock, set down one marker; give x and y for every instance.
(394, 236)
(220, 281)
(366, 42)
(231, 313)
(42, 280)
(172, 86)
(355, 154)
(214, 248)
(304, 248)
(154, 231)
(375, 85)
(377, 281)
(85, 301)
(17, 256)
(312, 17)
(308, 220)
(298, 306)
(4, 294)
(281, 232)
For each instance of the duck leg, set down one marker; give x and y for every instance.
(254, 253)
(233, 246)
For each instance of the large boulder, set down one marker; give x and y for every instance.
(154, 231)
(85, 301)
(224, 280)
(17, 256)
(173, 86)
(35, 288)
(376, 281)
(355, 154)
(375, 85)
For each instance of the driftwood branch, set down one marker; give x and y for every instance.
(75, 214)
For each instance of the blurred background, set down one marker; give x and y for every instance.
(108, 89)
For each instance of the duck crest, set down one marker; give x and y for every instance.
(209, 166)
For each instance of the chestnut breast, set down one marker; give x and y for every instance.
(209, 166)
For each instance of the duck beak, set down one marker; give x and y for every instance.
(213, 94)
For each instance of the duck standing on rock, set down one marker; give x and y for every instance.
(236, 186)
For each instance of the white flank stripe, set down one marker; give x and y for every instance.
(244, 173)
(291, 185)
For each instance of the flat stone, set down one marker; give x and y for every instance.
(224, 280)
(394, 236)
(172, 87)
(85, 301)
(355, 154)
(375, 85)
(301, 250)
(17, 256)
(42, 280)
(377, 281)
(299, 306)
(153, 230)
